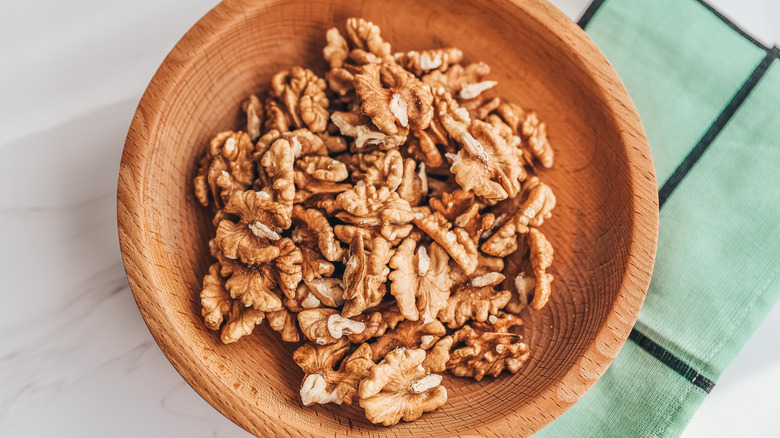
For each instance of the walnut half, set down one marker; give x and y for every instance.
(400, 388)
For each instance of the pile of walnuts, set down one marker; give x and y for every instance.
(386, 215)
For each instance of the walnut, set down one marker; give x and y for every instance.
(400, 388)
(485, 265)
(276, 116)
(380, 169)
(305, 143)
(421, 281)
(457, 77)
(217, 306)
(254, 116)
(375, 326)
(251, 238)
(254, 286)
(284, 322)
(409, 334)
(536, 207)
(425, 61)
(278, 165)
(346, 233)
(367, 39)
(323, 383)
(541, 259)
(215, 301)
(322, 168)
(461, 208)
(390, 95)
(333, 143)
(312, 226)
(325, 326)
(302, 95)
(288, 272)
(471, 91)
(475, 299)
(459, 245)
(414, 183)
(313, 264)
(336, 51)
(480, 107)
(365, 275)
(533, 132)
(240, 322)
(422, 147)
(438, 356)
(302, 300)
(487, 164)
(367, 206)
(225, 169)
(341, 82)
(488, 348)
(351, 125)
(513, 115)
(536, 132)
(328, 291)
(316, 175)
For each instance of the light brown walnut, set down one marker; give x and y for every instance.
(365, 275)
(422, 147)
(461, 208)
(487, 164)
(365, 36)
(425, 61)
(393, 98)
(457, 77)
(353, 125)
(541, 259)
(254, 116)
(475, 299)
(251, 239)
(409, 334)
(323, 383)
(284, 322)
(240, 322)
(301, 95)
(226, 168)
(538, 203)
(278, 162)
(420, 280)
(336, 50)
(456, 241)
(215, 301)
(488, 348)
(367, 206)
(400, 388)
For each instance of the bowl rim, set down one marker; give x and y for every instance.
(597, 356)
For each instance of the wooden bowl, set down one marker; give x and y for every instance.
(604, 228)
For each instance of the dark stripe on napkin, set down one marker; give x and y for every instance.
(589, 13)
(671, 361)
(714, 129)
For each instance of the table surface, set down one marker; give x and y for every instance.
(75, 356)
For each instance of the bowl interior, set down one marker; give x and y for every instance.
(603, 228)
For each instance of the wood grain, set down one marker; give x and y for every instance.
(604, 230)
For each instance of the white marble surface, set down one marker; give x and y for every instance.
(76, 359)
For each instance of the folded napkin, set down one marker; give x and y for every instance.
(709, 98)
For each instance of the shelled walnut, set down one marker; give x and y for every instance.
(386, 213)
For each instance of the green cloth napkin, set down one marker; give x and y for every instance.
(709, 98)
